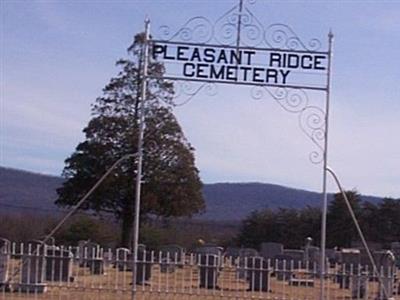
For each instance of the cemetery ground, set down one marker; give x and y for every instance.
(182, 283)
(95, 272)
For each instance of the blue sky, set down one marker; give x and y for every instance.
(56, 56)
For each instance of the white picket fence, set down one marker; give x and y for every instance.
(35, 271)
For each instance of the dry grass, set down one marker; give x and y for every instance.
(179, 285)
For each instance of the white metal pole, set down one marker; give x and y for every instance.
(360, 233)
(145, 57)
(324, 192)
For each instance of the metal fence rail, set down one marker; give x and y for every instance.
(37, 271)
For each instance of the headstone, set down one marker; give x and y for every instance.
(350, 259)
(244, 255)
(94, 258)
(380, 259)
(90, 255)
(332, 256)
(358, 285)
(33, 269)
(172, 256)
(58, 264)
(365, 261)
(96, 265)
(269, 250)
(351, 274)
(258, 274)
(349, 266)
(174, 252)
(232, 252)
(283, 267)
(208, 250)
(296, 255)
(4, 261)
(80, 254)
(248, 252)
(144, 264)
(108, 257)
(124, 259)
(385, 262)
(395, 248)
(209, 270)
(312, 257)
(86, 250)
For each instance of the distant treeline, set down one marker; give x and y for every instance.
(23, 227)
(380, 224)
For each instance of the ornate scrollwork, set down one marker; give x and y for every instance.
(283, 37)
(311, 118)
(225, 31)
(226, 27)
(198, 29)
(291, 100)
(312, 123)
(251, 29)
(186, 90)
(257, 92)
(239, 27)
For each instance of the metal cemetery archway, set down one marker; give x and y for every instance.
(237, 49)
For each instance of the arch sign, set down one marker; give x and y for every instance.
(238, 65)
(238, 49)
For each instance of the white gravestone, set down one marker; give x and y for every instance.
(124, 259)
(385, 262)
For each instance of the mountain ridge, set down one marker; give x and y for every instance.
(26, 191)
